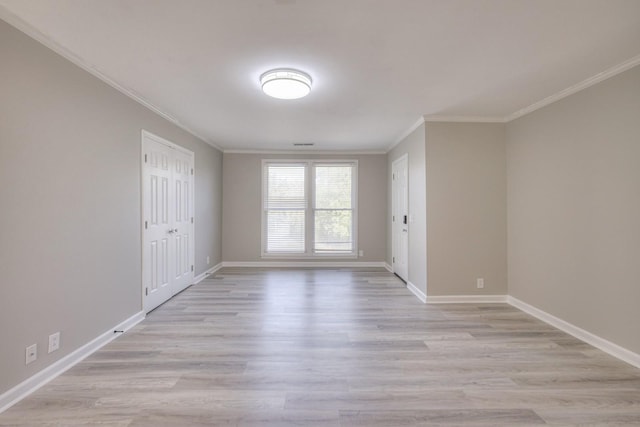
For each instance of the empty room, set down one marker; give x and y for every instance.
(319, 213)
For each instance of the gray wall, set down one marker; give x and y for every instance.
(466, 208)
(208, 207)
(70, 253)
(414, 146)
(242, 195)
(574, 209)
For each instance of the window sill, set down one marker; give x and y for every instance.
(309, 257)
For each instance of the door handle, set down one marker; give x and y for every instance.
(404, 221)
(171, 231)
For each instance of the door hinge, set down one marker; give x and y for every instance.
(191, 171)
(393, 176)
(146, 291)
(145, 158)
(191, 220)
(146, 225)
(192, 268)
(393, 260)
(393, 218)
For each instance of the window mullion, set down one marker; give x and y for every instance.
(310, 212)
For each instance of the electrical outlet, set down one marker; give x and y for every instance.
(360, 252)
(208, 260)
(31, 354)
(54, 342)
(480, 283)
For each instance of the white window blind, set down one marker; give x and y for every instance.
(333, 209)
(285, 204)
(309, 208)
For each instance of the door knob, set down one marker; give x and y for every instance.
(171, 231)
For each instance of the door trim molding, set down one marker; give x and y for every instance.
(146, 134)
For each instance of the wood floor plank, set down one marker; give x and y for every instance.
(334, 347)
(438, 417)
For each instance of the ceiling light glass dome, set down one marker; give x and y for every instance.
(286, 83)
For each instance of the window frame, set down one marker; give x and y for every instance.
(309, 236)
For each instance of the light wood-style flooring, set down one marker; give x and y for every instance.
(334, 347)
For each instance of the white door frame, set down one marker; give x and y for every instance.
(395, 237)
(146, 135)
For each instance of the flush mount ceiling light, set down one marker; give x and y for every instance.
(286, 83)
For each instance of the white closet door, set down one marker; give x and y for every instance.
(183, 237)
(168, 231)
(158, 226)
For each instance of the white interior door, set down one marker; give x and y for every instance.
(167, 209)
(157, 224)
(182, 258)
(400, 217)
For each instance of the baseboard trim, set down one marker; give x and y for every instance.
(200, 277)
(417, 292)
(466, 299)
(388, 267)
(31, 384)
(607, 346)
(304, 264)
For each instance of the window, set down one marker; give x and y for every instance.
(309, 208)
(332, 209)
(285, 208)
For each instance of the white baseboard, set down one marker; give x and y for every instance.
(607, 346)
(417, 292)
(31, 384)
(466, 299)
(388, 267)
(200, 277)
(335, 264)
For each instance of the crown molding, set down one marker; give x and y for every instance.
(593, 80)
(47, 41)
(303, 151)
(406, 133)
(464, 119)
(617, 69)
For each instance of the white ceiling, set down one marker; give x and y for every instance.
(377, 65)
